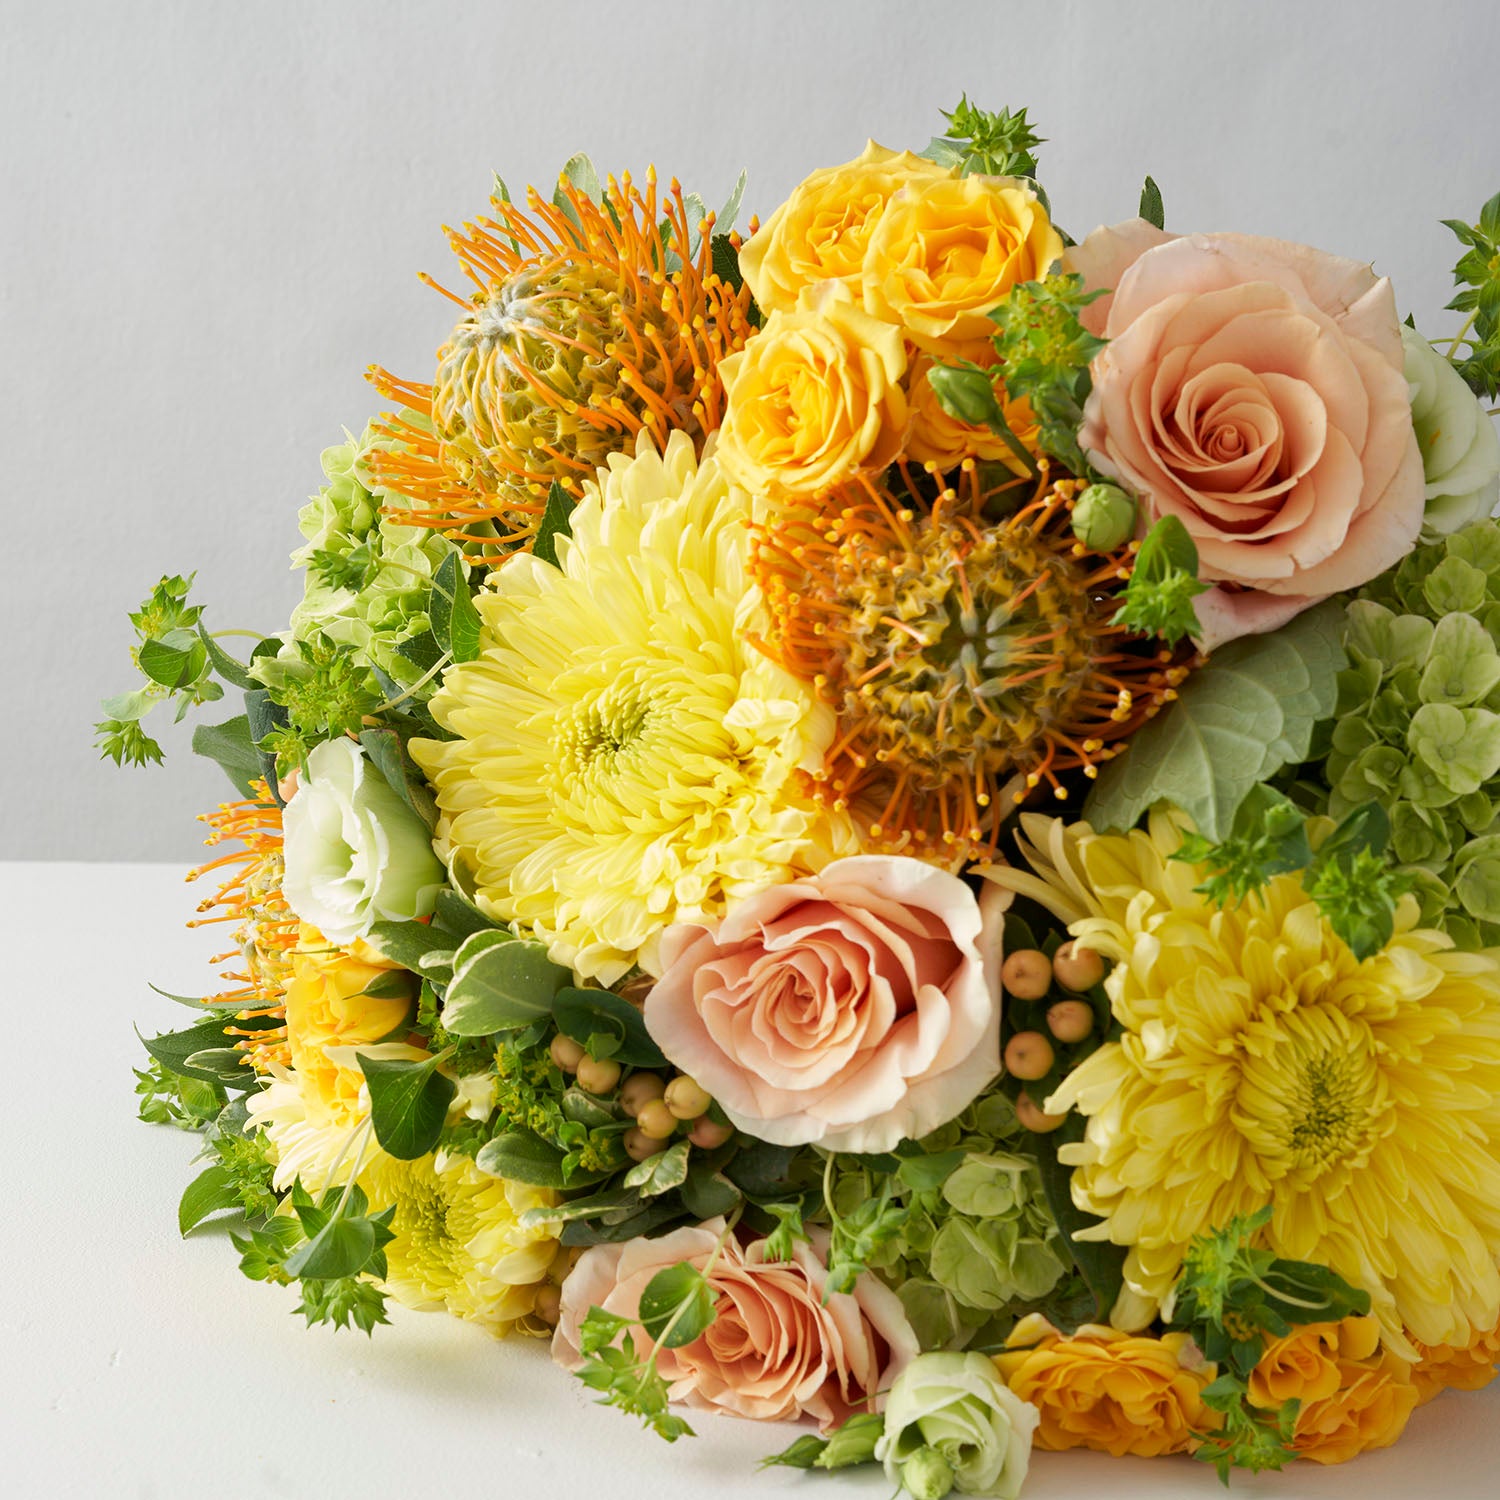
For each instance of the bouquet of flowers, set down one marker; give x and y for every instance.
(894, 822)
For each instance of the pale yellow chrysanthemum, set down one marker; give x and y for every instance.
(1262, 1063)
(625, 757)
(459, 1245)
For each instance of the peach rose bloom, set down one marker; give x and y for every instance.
(813, 398)
(775, 1350)
(1254, 389)
(1109, 1391)
(821, 232)
(853, 1009)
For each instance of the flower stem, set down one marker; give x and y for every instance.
(1457, 343)
(426, 677)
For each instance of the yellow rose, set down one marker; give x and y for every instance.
(813, 398)
(937, 438)
(1466, 1367)
(1110, 1391)
(821, 231)
(945, 252)
(327, 1006)
(1354, 1395)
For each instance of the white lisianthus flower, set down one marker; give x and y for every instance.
(355, 853)
(951, 1423)
(1460, 446)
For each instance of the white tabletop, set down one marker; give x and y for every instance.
(136, 1364)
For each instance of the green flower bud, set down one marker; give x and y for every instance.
(927, 1475)
(966, 393)
(854, 1442)
(1104, 517)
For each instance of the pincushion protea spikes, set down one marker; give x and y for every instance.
(969, 662)
(588, 323)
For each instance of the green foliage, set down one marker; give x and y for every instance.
(967, 393)
(1232, 1298)
(1151, 209)
(500, 984)
(172, 653)
(676, 1307)
(408, 1103)
(1045, 353)
(230, 746)
(978, 141)
(557, 519)
(1238, 720)
(455, 621)
(1478, 273)
(1418, 727)
(342, 1301)
(1267, 838)
(323, 693)
(170, 1098)
(851, 1443)
(606, 1026)
(1163, 584)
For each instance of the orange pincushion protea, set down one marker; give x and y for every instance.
(251, 897)
(969, 661)
(589, 322)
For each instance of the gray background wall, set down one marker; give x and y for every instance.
(211, 217)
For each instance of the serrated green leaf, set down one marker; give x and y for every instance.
(1251, 710)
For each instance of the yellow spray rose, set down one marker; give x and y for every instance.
(327, 1006)
(813, 398)
(936, 438)
(821, 231)
(947, 251)
(1108, 1390)
(1463, 1367)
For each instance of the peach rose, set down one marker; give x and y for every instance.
(947, 251)
(851, 1010)
(775, 1350)
(813, 398)
(1110, 1391)
(821, 231)
(1255, 390)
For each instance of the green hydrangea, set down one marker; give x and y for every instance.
(368, 579)
(1417, 727)
(979, 1242)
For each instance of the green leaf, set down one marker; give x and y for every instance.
(455, 915)
(706, 1194)
(175, 1049)
(1163, 584)
(521, 1156)
(1237, 721)
(388, 756)
(724, 219)
(408, 1103)
(582, 1014)
(342, 1247)
(1151, 209)
(1101, 1264)
(502, 987)
(581, 172)
(557, 520)
(223, 663)
(175, 662)
(803, 1454)
(210, 1192)
(407, 943)
(455, 621)
(229, 744)
(660, 1173)
(677, 1305)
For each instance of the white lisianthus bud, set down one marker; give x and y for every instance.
(355, 853)
(1460, 447)
(951, 1420)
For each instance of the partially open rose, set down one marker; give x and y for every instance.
(853, 1009)
(1254, 389)
(775, 1351)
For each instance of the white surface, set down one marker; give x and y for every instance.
(212, 216)
(134, 1364)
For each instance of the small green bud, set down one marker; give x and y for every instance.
(966, 393)
(1104, 517)
(927, 1475)
(854, 1442)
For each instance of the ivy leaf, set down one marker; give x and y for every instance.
(1237, 720)
(557, 520)
(408, 1103)
(677, 1305)
(455, 621)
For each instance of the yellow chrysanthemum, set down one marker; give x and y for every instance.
(625, 758)
(459, 1244)
(1262, 1063)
